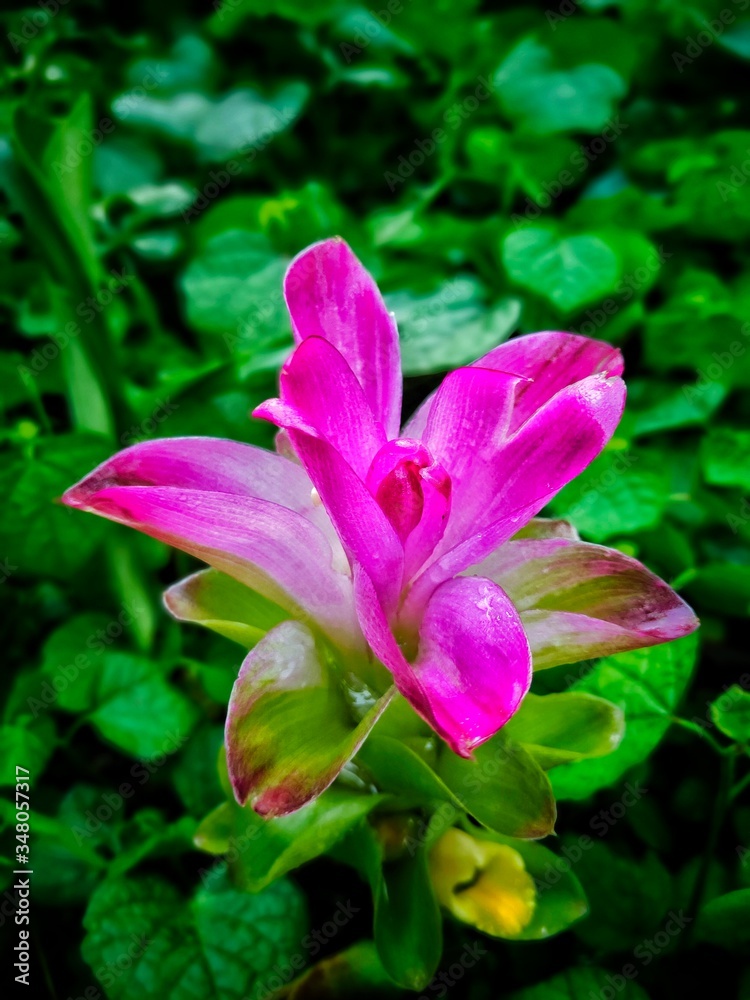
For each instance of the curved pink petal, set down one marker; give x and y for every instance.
(367, 535)
(469, 418)
(545, 363)
(551, 448)
(207, 463)
(330, 295)
(321, 386)
(474, 661)
(466, 431)
(436, 489)
(272, 549)
(473, 667)
(414, 492)
(579, 601)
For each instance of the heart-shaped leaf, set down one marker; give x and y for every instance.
(647, 685)
(569, 271)
(223, 943)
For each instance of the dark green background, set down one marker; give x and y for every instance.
(591, 173)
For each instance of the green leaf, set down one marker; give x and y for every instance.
(628, 900)
(357, 971)
(451, 326)
(716, 350)
(708, 182)
(725, 921)
(621, 492)
(262, 850)
(647, 685)
(559, 903)
(135, 708)
(569, 271)
(29, 747)
(407, 925)
(560, 728)
(725, 457)
(737, 38)
(71, 658)
(522, 160)
(722, 587)
(579, 982)
(672, 409)
(545, 100)
(731, 714)
(38, 536)
(399, 768)
(233, 287)
(503, 787)
(222, 943)
(195, 774)
(53, 187)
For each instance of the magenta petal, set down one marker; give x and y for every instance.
(368, 537)
(278, 551)
(545, 363)
(414, 492)
(330, 295)
(579, 601)
(322, 388)
(469, 418)
(201, 463)
(206, 463)
(553, 447)
(466, 430)
(474, 664)
(436, 493)
(548, 362)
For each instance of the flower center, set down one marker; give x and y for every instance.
(414, 493)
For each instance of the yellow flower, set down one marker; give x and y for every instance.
(482, 883)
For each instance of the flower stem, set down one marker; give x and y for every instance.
(721, 803)
(704, 734)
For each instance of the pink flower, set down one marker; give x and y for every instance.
(400, 544)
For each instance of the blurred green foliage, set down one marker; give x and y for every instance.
(583, 166)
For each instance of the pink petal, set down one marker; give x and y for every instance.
(545, 363)
(551, 448)
(473, 666)
(414, 492)
(330, 295)
(474, 662)
(466, 430)
(206, 463)
(436, 488)
(579, 601)
(368, 537)
(276, 550)
(322, 388)
(550, 361)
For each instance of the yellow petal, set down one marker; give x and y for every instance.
(483, 883)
